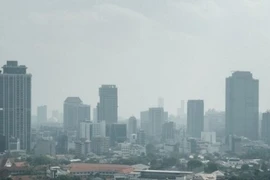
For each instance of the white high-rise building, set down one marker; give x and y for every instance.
(99, 129)
(85, 128)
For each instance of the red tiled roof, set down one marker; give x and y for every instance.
(84, 167)
(22, 177)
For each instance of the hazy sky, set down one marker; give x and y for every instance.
(176, 49)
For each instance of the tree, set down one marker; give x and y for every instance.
(211, 167)
(192, 164)
(245, 167)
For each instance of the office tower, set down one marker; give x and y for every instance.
(85, 128)
(98, 129)
(156, 120)
(144, 116)
(265, 127)
(168, 130)
(141, 137)
(117, 133)
(42, 114)
(15, 104)
(161, 102)
(132, 126)
(95, 115)
(242, 105)
(74, 113)
(195, 118)
(108, 104)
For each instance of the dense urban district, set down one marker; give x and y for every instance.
(96, 144)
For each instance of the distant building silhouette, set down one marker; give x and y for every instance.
(156, 120)
(42, 114)
(141, 137)
(107, 108)
(168, 132)
(265, 127)
(145, 124)
(74, 113)
(195, 118)
(131, 126)
(15, 104)
(242, 105)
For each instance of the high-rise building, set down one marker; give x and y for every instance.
(141, 137)
(156, 120)
(42, 114)
(95, 115)
(85, 128)
(117, 133)
(242, 105)
(265, 127)
(15, 104)
(98, 129)
(145, 125)
(132, 126)
(195, 118)
(74, 113)
(108, 104)
(168, 130)
(100, 145)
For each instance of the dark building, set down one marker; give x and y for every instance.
(74, 113)
(141, 137)
(117, 133)
(242, 105)
(265, 127)
(195, 118)
(15, 104)
(168, 130)
(107, 108)
(42, 114)
(3, 144)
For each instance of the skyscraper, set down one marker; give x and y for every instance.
(74, 113)
(132, 126)
(266, 127)
(242, 105)
(15, 104)
(42, 114)
(156, 120)
(195, 118)
(108, 104)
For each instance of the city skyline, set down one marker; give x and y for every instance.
(154, 47)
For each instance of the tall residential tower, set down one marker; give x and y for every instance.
(15, 104)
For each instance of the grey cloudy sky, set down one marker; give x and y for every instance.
(176, 49)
